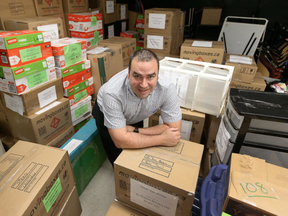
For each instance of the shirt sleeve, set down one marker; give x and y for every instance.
(170, 110)
(113, 112)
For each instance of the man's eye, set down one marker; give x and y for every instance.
(151, 77)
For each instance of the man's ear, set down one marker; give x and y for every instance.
(128, 75)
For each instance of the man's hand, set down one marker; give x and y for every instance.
(172, 136)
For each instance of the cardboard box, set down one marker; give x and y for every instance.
(87, 155)
(212, 54)
(81, 110)
(108, 8)
(33, 182)
(32, 101)
(91, 34)
(76, 78)
(132, 15)
(211, 16)
(15, 9)
(118, 208)
(121, 11)
(242, 72)
(75, 98)
(255, 187)
(62, 138)
(91, 41)
(32, 23)
(149, 179)
(192, 124)
(70, 90)
(43, 126)
(25, 55)
(64, 21)
(68, 51)
(72, 205)
(164, 44)
(162, 21)
(75, 6)
(21, 38)
(210, 130)
(105, 62)
(258, 84)
(130, 34)
(67, 71)
(48, 7)
(128, 46)
(85, 22)
(180, 34)
(14, 73)
(27, 83)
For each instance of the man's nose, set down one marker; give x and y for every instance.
(144, 83)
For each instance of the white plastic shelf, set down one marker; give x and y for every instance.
(201, 86)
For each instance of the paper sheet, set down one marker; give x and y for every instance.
(157, 21)
(202, 43)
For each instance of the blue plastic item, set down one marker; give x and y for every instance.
(213, 190)
(85, 134)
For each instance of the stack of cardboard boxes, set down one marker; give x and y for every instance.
(161, 29)
(121, 19)
(245, 74)
(33, 184)
(86, 26)
(74, 69)
(32, 103)
(140, 28)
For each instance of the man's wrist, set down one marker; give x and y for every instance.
(136, 130)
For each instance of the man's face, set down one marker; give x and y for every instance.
(143, 77)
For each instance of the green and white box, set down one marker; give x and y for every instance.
(78, 87)
(67, 71)
(14, 73)
(27, 83)
(81, 110)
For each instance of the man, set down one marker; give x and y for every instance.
(131, 96)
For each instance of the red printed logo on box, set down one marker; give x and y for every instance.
(21, 88)
(19, 71)
(55, 122)
(199, 59)
(129, 52)
(49, 2)
(78, 1)
(71, 90)
(11, 41)
(65, 71)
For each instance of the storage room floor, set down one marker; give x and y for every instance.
(100, 193)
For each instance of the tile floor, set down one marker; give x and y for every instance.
(100, 193)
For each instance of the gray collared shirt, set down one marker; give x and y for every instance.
(122, 107)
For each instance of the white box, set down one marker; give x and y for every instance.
(81, 110)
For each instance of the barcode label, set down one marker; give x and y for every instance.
(42, 130)
(4, 59)
(12, 88)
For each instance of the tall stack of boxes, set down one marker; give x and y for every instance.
(86, 26)
(75, 72)
(161, 28)
(32, 102)
(121, 24)
(108, 8)
(140, 28)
